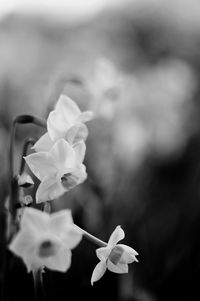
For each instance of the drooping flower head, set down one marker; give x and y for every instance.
(46, 240)
(114, 257)
(66, 121)
(59, 170)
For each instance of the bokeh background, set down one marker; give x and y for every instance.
(136, 64)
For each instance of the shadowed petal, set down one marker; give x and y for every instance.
(85, 116)
(57, 126)
(80, 149)
(34, 220)
(76, 133)
(44, 144)
(98, 272)
(119, 268)
(61, 261)
(49, 189)
(103, 253)
(128, 256)
(41, 164)
(68, 108)
(117, 235)
(63, 154)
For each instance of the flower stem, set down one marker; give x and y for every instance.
(28, 142)
(21, 119)
(38, 285)
(92, 238)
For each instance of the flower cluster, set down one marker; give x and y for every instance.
(45, 239)
(60, 152)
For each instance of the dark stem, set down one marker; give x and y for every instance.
(21, 119)
(28, 142)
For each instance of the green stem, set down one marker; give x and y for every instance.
(92, 238)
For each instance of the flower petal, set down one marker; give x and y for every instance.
(85, 116)
(57, 126)
(103, 253)
(49, 189)
(35, 220)
(22, 242)
(128, 256)
(68, 108)
(119, 268)
(62, 226)
(80, 149)
(98, 272)
(117, 235)
(63, 154)
(61, 261)
(41, 164)
(76, 133)
(44, 144)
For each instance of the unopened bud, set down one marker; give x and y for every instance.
(25, 180)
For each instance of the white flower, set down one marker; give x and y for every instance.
(46, 240)
(114, 257)
(66, 121)
(59, 170)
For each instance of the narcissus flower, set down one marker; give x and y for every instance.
(114, 257)
(59, 170)
(66, 121)
(46, 240)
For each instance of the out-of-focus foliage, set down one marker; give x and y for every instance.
(139, 71)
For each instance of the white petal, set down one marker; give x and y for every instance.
(68, 108)
(128, 256)
(57, 126)
(59, 220)
(73, 176)
(60, 262)
(63, 154)
(103, 253)
(35, 220)
(49, 189)
(71, 238)
(117, 235)
(41, 164)
(118, 268)
(85, 116)
(62, 226)
(80, 149)
(76, 133)
(22, 242)
(44, 144)
(98, 272)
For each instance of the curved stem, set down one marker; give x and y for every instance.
(21, 119)
(92, 238)
(28, 142)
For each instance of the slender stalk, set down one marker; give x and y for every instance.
(28, 142)
(21, 119)
(38, 285)
(92, 238)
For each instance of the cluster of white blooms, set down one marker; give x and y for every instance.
(44, 239)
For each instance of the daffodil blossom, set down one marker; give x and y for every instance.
(46, 240)
(59, 170)
(114, 257)
(66, 121)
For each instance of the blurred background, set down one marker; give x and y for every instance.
(136, 64)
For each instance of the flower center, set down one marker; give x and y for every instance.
(69, 180)
(47, 248)
(116, 254)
